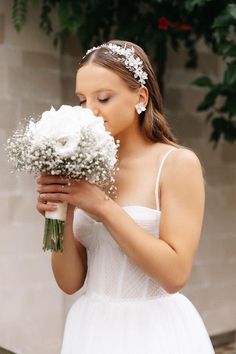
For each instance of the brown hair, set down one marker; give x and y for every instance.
(153, 124)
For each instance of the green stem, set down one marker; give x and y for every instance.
(53, 235)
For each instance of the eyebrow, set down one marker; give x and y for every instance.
(104, 89)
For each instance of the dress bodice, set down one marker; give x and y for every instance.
(110, 272)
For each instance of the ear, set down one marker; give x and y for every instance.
(143, 95)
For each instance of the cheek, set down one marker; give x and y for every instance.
(122, 110)
(120, 117)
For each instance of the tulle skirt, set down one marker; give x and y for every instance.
(164, 325)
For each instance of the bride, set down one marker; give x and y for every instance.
(135, 251)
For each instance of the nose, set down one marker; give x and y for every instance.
(95, 112)
(93, 108)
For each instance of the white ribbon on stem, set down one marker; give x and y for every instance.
(59, 213)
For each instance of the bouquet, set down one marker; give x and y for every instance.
(71, 142)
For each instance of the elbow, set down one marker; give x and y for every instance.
(69, 291)
(176, 284)
(174, 288)
(71, 288)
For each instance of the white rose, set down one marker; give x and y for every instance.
(65, 146)
(64, 128)
(55, 124)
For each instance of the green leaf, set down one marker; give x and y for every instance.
(231, 52)
(226, 17)
(230, 74)
(203, 81)
(231, 9)
(222, 21)
(221, 125)
(230, 104)
(63, 12)
(74, 25)
(190, 4)
(215, 136)
(209, 100)
(19, 13)
(224, 47)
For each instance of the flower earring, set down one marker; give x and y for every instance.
(140, 108)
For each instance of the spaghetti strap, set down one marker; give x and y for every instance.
(158, 177)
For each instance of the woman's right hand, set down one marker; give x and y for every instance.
(42, 205)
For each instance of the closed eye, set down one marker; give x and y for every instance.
(104, 100)
(101, 100)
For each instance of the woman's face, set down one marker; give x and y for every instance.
(108, 96)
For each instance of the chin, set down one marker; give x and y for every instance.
(107, 128)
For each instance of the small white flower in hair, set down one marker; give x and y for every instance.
(132, 63)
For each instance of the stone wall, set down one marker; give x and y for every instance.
(31, 305)
(34, 75)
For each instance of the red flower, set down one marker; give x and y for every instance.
(163, 23)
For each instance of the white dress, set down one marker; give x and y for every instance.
(123, 310)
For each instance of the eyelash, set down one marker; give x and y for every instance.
(104, 100)
(100, 100)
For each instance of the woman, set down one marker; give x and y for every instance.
(135, 251)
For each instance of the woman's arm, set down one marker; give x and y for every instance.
(70, 266)
(169, 258)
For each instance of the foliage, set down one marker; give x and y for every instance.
(153, 24)
(222, 115)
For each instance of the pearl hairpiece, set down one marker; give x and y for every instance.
(132, 63)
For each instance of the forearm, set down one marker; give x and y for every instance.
(68, 268)
(153, 255)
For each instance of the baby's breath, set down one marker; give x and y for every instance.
(94, 162)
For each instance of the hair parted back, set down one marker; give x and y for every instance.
(153, 124)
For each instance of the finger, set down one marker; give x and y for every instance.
(53, 188)
(54, 197)
(42, 208)
(49, 179)
(44, 200)
(46, 207)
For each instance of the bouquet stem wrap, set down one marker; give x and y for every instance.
(54, 228)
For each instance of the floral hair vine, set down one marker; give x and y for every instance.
(131, 62)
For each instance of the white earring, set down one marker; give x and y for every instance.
(140, 108)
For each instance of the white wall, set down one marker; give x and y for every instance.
(31, 305)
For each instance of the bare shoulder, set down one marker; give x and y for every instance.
(182, 161)
(181, 174)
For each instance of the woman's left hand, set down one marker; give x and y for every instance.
(78, 193)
